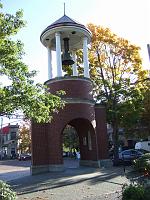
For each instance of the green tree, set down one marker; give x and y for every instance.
(136, 113)
(21, 93)
(70, 138)
(145, 115)
(24, 139)
(115, 67)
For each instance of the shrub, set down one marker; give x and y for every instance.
(147, 193)
(133, 192)
(6, 193)
(143, 164)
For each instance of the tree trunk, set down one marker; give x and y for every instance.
(115, 138)
(116, 144)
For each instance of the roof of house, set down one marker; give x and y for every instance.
(5, 130)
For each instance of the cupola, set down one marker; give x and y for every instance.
(66, 36)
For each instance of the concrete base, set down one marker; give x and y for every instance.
(89, 163)
(98, 163)
(39, 169)
(105, 163)
(56, 168)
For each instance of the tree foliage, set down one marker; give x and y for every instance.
(21, 93)
(145, 115)
(24, 138)
(70, 138)
(118, 78)
(6, 192)
(136, 110)
(116, 67)
(120, 83)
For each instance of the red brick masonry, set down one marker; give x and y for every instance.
(80, 112)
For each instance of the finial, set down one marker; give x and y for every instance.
(64, 9)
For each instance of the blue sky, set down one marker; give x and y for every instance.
(126, 18)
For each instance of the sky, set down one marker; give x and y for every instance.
(126, 18)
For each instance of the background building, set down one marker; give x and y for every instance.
(9, 141)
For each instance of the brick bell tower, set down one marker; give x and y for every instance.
(65, 36)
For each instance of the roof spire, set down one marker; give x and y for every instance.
(64, 9)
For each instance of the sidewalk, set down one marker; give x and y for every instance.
(81, 183)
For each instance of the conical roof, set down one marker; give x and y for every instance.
(67, 27)
(64, 21)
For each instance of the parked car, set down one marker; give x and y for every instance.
(144, 145)
(24, 157)
(65, 154)
(129, 155)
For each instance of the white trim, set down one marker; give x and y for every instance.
(51, 33)
(50, 74)
(74, 66)
(78, 101)
(58, 55)
(85, 58)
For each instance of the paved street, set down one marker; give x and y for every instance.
(13, 169)
(75, 183)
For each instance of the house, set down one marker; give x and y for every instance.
(124, 140)
(9, 141)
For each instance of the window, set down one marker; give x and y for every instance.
(126, 153)
(13, 135)
(89, 141)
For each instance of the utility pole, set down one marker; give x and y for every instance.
(148, 48)
(1, 137)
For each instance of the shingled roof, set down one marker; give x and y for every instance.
(64, 21)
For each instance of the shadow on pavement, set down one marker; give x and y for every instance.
(7, 176)
(53, 180)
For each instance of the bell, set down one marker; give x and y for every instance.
(66, 57)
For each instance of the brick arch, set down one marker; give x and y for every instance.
(87, 137)
(81, 112)
(72, 114)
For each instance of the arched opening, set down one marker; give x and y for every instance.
(71, 147)
(80, 112)
(70, 142)
(78, 143)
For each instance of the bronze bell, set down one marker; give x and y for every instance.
(66, 57)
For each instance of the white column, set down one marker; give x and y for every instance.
(74, 66)
(50, 75)
(58, 54)
(85, 58)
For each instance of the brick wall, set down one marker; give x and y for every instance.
(39, 144)
(75, 88)
(101, 132)
(47, 138)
